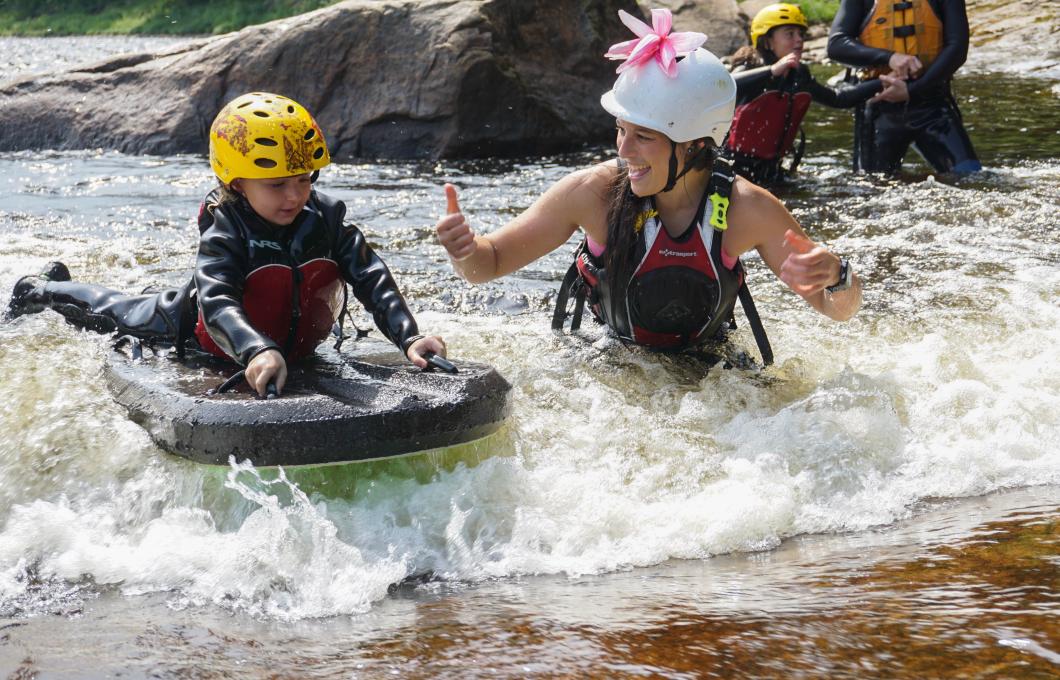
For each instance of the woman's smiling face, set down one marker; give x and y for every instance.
(646, 153)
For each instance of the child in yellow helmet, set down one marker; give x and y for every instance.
(773, 92)
(274, 258)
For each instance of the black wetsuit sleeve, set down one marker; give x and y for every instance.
(220, 276)
(843, 98)
(954, 50)
(374, 286)
(844, 44)
(752, 82)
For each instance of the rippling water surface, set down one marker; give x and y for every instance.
(23, 57)
(881, 502)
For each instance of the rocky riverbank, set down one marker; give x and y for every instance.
(386, 79)
(397, 79)
(1013, 36)
(419, 79)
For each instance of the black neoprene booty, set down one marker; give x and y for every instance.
(29, 295)
(56, 271)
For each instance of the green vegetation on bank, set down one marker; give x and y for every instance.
(818, 11)
(153, 17)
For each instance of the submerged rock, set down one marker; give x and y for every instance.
(384, 78)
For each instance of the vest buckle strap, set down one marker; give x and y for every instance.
(719, 211)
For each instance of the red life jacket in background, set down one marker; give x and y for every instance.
(766, 127)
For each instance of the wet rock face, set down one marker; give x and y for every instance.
(384, 78)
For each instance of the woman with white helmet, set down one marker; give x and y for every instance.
(666, 223)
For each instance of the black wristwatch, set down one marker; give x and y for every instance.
(846, 277)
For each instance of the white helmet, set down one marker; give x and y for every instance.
(698, 103)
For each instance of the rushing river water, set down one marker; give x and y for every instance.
(882, 502)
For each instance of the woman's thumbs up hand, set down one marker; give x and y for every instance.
(808, 268)
(453, 231)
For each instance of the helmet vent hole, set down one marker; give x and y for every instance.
(310, 133)
(262, 114)
(265, 141)
(266, 163)
(319, 153)
(290, 109)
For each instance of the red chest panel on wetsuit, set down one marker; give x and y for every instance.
(758, 125)
(268, 299)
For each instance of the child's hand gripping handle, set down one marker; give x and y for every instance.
(441, 363)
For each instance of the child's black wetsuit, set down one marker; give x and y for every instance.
(256, 287)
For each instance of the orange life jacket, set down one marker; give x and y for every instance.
(909, 27)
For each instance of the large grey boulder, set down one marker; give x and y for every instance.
(384, 78)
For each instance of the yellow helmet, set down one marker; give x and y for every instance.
(771, 16)
(261, 135)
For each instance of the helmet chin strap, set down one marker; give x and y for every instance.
(673, 175)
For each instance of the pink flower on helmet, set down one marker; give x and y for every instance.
(655, 41)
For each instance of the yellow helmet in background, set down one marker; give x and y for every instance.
(771, 16)
(262, 135)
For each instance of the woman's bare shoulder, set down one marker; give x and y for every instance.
(582, 195)
(750, 194)
(751, 203)
(595, 178)
(753, 213)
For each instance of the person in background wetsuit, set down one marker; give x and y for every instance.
(773, 92)
(666, 223)
(274, 258)
(915, 46)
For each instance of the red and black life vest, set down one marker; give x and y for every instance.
(765, 128)
(680, 294)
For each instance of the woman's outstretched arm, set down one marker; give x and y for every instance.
(577, 200)
(758, 220)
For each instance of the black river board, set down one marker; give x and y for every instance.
(366, 403)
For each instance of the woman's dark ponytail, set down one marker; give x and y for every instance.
(621, 237)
